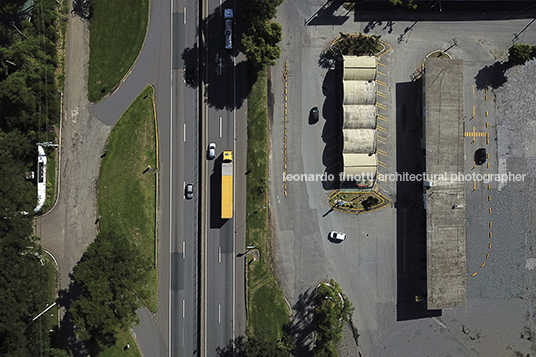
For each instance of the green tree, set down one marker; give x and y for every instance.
(395, 2)
(107, 275)
(256, 11)
(260, 44)
(519, 54)
(332, 311)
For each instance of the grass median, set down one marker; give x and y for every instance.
(267, 309)
(117, 31)
(127, 188)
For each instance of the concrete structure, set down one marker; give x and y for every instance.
(359, 120)
(444, 199)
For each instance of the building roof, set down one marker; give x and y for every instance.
(359, 141)
(359, 68)
(359, 116)
(445, 199)
(359, 92)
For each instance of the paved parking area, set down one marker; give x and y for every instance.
(368, 265)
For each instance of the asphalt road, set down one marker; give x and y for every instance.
(220, 240)
(368, 264)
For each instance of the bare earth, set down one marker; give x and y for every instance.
(70, 226)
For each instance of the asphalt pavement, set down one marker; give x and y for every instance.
(368, 264)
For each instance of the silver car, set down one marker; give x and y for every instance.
(211, 151)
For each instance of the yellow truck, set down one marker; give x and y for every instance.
(227, 185)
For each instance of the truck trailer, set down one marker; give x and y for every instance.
(227, 185)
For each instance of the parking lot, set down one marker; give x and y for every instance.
(379, 266)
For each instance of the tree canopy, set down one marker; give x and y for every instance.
(520, 53)
(28, 102)
(259, 41)
(332, 311)
(107, 275)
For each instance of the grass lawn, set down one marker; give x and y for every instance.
(126, 197)
(117, 31)
(123, 337)
(268, 311)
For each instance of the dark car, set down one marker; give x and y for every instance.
(480, 156)
(189, 74)
(189, 191)
(314, 115)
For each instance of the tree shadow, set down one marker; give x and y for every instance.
(234, 348)
(326, 15)
(225, 82)
(67, 335)
(82, 9)
(302, 325)
(492, 75)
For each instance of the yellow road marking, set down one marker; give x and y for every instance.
(381, 142)
(383, 95)
(381, 83)
(381, 64)
(381, 129)
(382, 164)
(483, 264)
(381, 137)
(381, 152)
(383, 74)
(382, 106)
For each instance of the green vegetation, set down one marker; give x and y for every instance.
(259, 41)
(520, 53)
(28, 103)
(268, 313)
(332, 310)
(357, 45)
(127, 190)
(356, 201)
(24, 290)
(123, 338)
(107, 275)
(117, 31)
(410, 5)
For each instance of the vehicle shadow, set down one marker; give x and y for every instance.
(410, 212)
(214, 193)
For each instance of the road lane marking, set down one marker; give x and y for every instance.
(185, 15)
(219, 313)
(184, 132)
(221, 126)
(381, 64)
(183, 249)
(381, 83)
(383, 74)
(183, 308)
(219, 254)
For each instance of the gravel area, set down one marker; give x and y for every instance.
(516, 130)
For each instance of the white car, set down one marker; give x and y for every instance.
(337, 236)
(211, 151)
